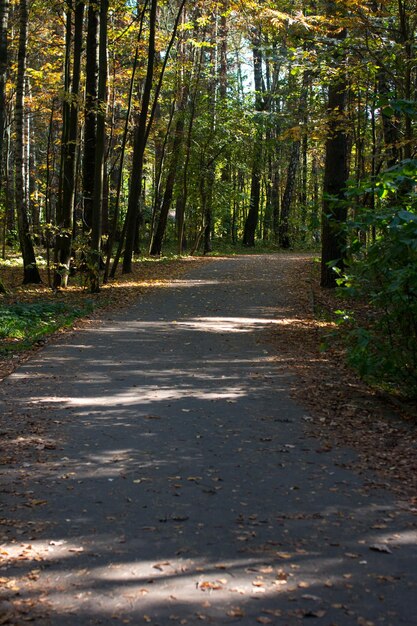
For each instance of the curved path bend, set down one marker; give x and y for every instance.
(177, 484)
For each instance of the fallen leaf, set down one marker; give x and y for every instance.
(236, 612)
(380, 547)
(284, 555)
(207, 585)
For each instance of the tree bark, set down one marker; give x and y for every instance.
(139, 145)
(122, 158)
(91, 110)
(96, 218)
(4, 14)
(30, 269)
(142, 131)
(65, 209)
(334, 210)
(156, 246)
(251, 222)
(284, 225)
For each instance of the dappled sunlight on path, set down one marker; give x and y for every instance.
(176, 483)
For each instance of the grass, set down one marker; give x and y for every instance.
(24, 324)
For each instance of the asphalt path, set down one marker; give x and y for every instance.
(178, 482)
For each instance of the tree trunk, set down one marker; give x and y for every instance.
(65, 209)
(96, 218)
(284, 226)
(207, 206)
(334, 210)
(182, 200)
(91, 109)
(158, 237)
(208, 172)
(407, 41)
(139, 148)
(4, 14)
(30, 269)
(142, 131)
(122, 157)
(251, 222)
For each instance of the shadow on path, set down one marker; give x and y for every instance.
(177, 484)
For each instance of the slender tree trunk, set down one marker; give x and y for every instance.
(91, 110)
(407, 40)
(65, 209)
(209, 172)
(182, 200)
(251, 222)
(4, 14)
(161, 144)
(284, 238)
(96, 221)
(156, 246)
(284, 226)
(275, 201)
(207, 184)
(223, 34)
(48, 211)
(390, 126)
(9, 179)
(142, 131)
(30, 269)
(122, 157)
(334, 210)
(139, 147)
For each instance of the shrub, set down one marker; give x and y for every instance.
(383, 274)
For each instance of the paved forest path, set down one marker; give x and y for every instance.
(177, 483)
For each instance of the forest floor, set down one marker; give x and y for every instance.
(269, 514)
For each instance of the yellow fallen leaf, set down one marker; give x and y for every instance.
(236, 612)
(206, 585)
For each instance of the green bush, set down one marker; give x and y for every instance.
(382, 273)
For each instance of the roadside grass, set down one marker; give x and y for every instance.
(26, 323)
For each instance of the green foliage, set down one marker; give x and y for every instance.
(23, 324)
(383, 275)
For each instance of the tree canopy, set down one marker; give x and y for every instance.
(187, 125)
